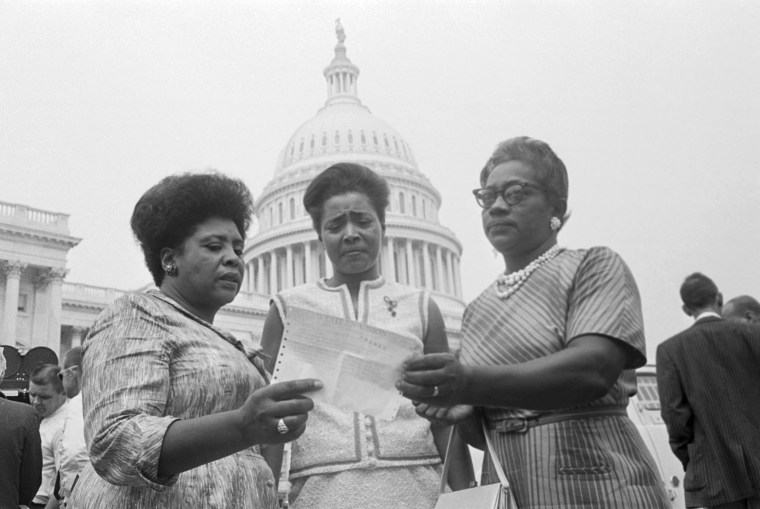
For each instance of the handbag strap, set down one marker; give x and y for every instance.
(447, 460)
(491, 453)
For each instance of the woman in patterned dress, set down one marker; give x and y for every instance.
(175, 408)
(347, 459)
(548, 351)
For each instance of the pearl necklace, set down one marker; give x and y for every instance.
(514, 280)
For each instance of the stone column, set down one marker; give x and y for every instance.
(307, 261)
(391, 266)
(273, 272)
(55, 276)
(289, 268)
(77, 336)
(426, 266)
(439, 268)
(260, 279)
(13, 270)
(410, 268)
(450, 271)
(245, 285)
(457, 280)
(328, 266)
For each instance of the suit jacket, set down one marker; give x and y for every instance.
(20, 454)
(708, 377)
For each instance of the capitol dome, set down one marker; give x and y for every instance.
(344, 128)
(417, 249)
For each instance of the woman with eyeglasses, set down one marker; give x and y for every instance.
(548, 352)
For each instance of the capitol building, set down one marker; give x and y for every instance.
(41, 308)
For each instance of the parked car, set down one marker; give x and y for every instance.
(644, 411)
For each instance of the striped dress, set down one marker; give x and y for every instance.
(580, 463)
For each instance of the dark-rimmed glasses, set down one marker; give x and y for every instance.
(60, 373)
(512, 194)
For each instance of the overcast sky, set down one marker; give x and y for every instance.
(653, 106)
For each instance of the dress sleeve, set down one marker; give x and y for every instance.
(126, 385)
(605, 301)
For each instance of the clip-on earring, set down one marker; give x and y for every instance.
(555, 223)
(171, 270)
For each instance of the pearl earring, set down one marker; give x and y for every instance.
(555, 223)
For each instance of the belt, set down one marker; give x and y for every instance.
(522, 425)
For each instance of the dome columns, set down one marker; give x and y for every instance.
(402, 259)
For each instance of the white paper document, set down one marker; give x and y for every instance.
(358, 364)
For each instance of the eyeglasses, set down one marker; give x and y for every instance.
(60, 374)
(512, 194)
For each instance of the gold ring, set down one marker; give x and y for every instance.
(282, 428)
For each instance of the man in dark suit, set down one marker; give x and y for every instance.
(707, 377)
(20, 452)
(743, 308)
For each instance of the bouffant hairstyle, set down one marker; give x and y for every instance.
(345, 178)
(698, 291)
(551, 173)
(169, 212)
(47, 374)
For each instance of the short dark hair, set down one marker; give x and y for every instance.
(342, 178)
(47, 374)
(169, 212)
(744, 303)
(698, 291)
(73, 357)
(551, 172)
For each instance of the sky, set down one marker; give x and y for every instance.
(652, 105)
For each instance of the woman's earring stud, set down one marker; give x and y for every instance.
(555, 223)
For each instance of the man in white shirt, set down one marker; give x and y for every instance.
(49, 401)
(72, 451)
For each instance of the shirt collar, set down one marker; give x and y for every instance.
(705, 314)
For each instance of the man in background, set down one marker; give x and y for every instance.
(743, 308)
(20, 452)
(49, 401)
(72, 450)
(707, 377)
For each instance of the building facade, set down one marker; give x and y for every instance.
(417, 250)
(40, 308)
(33, 248)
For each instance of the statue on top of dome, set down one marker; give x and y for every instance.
(339, 31)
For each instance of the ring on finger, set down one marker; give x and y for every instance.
(436, 391)
(282, 428)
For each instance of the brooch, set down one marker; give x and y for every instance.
(391, 304)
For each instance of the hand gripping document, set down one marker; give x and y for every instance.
(357, 363)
